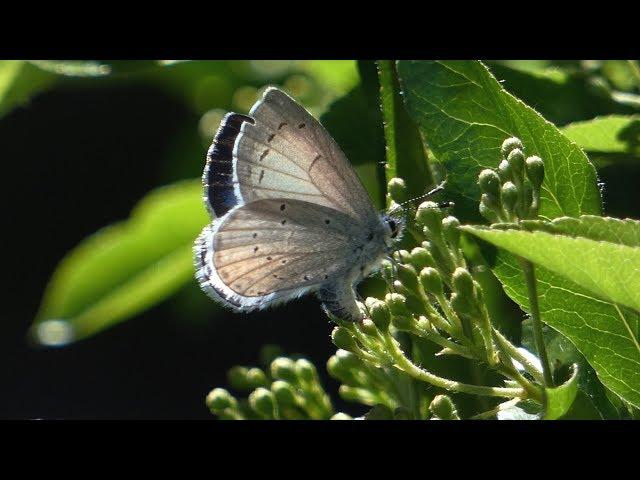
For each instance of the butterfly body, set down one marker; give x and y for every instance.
(291, 214)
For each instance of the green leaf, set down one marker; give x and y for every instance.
(591, 401)
(561, 95)
(99, 68)
(464, 115)
(609, 134)
(124, 268)
(406, 156)
(606, 264)
(560, 399)
(605, 334)
(19, 81)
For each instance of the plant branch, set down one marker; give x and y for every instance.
(530, 278)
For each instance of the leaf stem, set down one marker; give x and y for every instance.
(404, 364)
(530, 278)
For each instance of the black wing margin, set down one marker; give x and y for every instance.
(218, 176)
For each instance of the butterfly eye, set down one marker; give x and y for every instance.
(394, 228)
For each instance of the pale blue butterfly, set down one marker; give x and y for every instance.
(291, 215)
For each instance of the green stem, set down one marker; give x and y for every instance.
(515, 354)
(491, 413)
(404, 364)
(530, 277)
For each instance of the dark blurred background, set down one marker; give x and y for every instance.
(77, 156)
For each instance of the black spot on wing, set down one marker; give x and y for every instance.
(218, 172)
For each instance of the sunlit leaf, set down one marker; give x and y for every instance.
(609, 134)
(124, 268)
(464, 115)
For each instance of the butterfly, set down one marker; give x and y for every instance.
(290, 214)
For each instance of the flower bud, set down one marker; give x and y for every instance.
(263, 402)
(356, 394)
(420, 258)
(341, 416)
(450, 226)
(443, 408)
(510, 144)
(535, 171)
(219, 399)
(462, 282)
(489, 182)
(491, 203)
(368, 327)
(489, 214)
(461, 304)
(397, 190)
(400, 288)
(306, 371)
(237, 377)
(431, 281)
(407, 275)
(283, 368)
(284, 392)
(504, 171)
(341, 338)
(256, 378)
(516, 160)
(509, 197)
(396, 304)
(430, 215)
(402, 322)
(379, 313)
(401, 256)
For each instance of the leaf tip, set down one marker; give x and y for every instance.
(52, 333)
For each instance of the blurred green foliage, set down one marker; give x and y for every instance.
(428, 120)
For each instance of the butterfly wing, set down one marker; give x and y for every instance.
(272, 250)
(281, 151)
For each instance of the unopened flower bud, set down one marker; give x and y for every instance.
(256, 378)
(509, 196)
(430, 215)
(341, 338)
(402, 322)
(284, 368)
(379, 313)
(396, 304)
(306, 371)
(237, 377)
(535, 171)
(451, 232)
(420, 258)
(263, 402)
(462, 282)
(516, 160)
(443, 408)
(431, 281)
(504, 171)
(489, 182)
(407, 275)
(284, 392)
(219, 399)
(341, 416)
(397, 190)
(510, 144)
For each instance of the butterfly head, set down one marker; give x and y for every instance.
(394, 227)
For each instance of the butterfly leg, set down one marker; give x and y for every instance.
(339, 300)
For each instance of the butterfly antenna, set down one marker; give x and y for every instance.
(433, 191)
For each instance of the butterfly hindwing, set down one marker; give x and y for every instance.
(271, 250)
